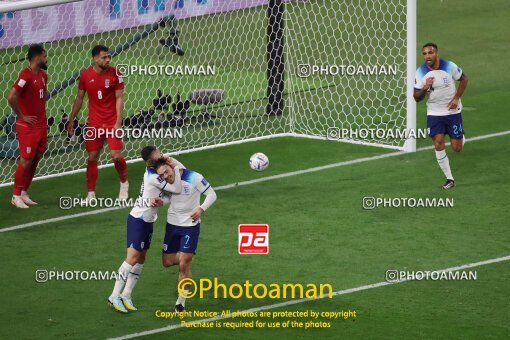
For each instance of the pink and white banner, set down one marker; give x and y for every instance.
(95, 16)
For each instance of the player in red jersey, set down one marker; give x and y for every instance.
(105, 89)
(27, 99)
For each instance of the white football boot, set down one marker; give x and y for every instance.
(26, 199)
(18, 202)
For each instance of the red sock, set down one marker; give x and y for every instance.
(92, 174)
(29, 176)
(120, 165)
(19, 180)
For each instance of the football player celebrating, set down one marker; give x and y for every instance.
(436, 78)
(153, 193)
(183, 222)
(27, 99)
(105, 89)
(153, 155)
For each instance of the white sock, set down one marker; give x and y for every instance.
(181, 300)
(444, 163)
(132, 279)
(123, 273)
(24, 193)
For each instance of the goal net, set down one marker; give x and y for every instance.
(206, 73)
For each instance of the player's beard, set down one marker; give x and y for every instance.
(432, 62)
(43, 66)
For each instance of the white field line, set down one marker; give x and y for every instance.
(254, 181)
(175, 153)
(299, 301)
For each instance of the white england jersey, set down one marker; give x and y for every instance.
(154, 186)
(443, 89)
(183, 204)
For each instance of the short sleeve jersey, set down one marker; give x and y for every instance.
(100, 88)
(443, 88)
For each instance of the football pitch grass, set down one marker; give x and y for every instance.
(319, 231)
(316, 102)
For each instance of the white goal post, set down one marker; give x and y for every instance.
(201, 74)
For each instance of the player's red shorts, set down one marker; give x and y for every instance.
(95, 138)
(32, 140)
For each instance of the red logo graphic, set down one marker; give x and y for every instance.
(253, 239)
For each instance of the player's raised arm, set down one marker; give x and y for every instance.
(173, 162)
(419, 94)
(119, 106)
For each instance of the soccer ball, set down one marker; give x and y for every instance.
(259, 162)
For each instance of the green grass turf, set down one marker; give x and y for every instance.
(420, 310)
(235, 44)
(319, 232)
(286, 154)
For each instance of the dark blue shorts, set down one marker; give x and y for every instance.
(450, 125)
(183, 239)
(139, 233)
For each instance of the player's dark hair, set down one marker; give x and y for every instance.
(430, 44)
(35, 50)
(160, 162)
(147, 151)
(98, 49)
